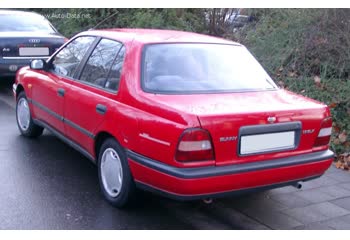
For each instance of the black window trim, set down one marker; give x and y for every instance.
(89, 53)
(49, 61)
(85, 60)
(86, 57)
(145, 90)
(113, 62)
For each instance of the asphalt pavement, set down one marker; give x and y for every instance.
(45, 184)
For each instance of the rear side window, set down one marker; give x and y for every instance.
(116, 70)
(103, 66)
(66, 62)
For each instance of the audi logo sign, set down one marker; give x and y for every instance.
(34, 40)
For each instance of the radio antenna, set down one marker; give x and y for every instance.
(104, 20)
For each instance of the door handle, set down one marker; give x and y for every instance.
(101, 109)
(61, 92)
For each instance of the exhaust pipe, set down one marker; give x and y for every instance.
(297, 185)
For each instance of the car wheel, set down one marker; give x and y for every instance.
(116, 182)
(24, 119)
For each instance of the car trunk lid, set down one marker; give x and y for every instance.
(254, 126)
(23, 44)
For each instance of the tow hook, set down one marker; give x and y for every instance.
(208, 200)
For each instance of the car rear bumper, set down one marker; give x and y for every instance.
(10, 65)
(200, 183)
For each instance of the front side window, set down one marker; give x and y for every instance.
(201, 68)
(98, 69)
(66, 62)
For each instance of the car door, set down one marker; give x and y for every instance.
(90, 99)
(50, 87)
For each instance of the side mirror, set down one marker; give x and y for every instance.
(38, 64)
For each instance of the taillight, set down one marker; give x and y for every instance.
(324, 135)
(194, 145)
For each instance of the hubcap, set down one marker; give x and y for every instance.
(23, 114)
(111, 172)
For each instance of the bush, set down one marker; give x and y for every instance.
(301, 42)
(76, 20)
(307, 51)
(335, 93)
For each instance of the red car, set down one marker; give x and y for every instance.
(181, 114)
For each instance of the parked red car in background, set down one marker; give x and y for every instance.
(181, 114)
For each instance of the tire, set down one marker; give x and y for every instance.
(29, 128)
(118, 193)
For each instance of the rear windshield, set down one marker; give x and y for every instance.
(202, 68)
(24, 23)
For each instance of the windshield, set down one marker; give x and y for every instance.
(24, 23)
(196, 67)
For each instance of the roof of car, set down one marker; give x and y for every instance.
(157, 35)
